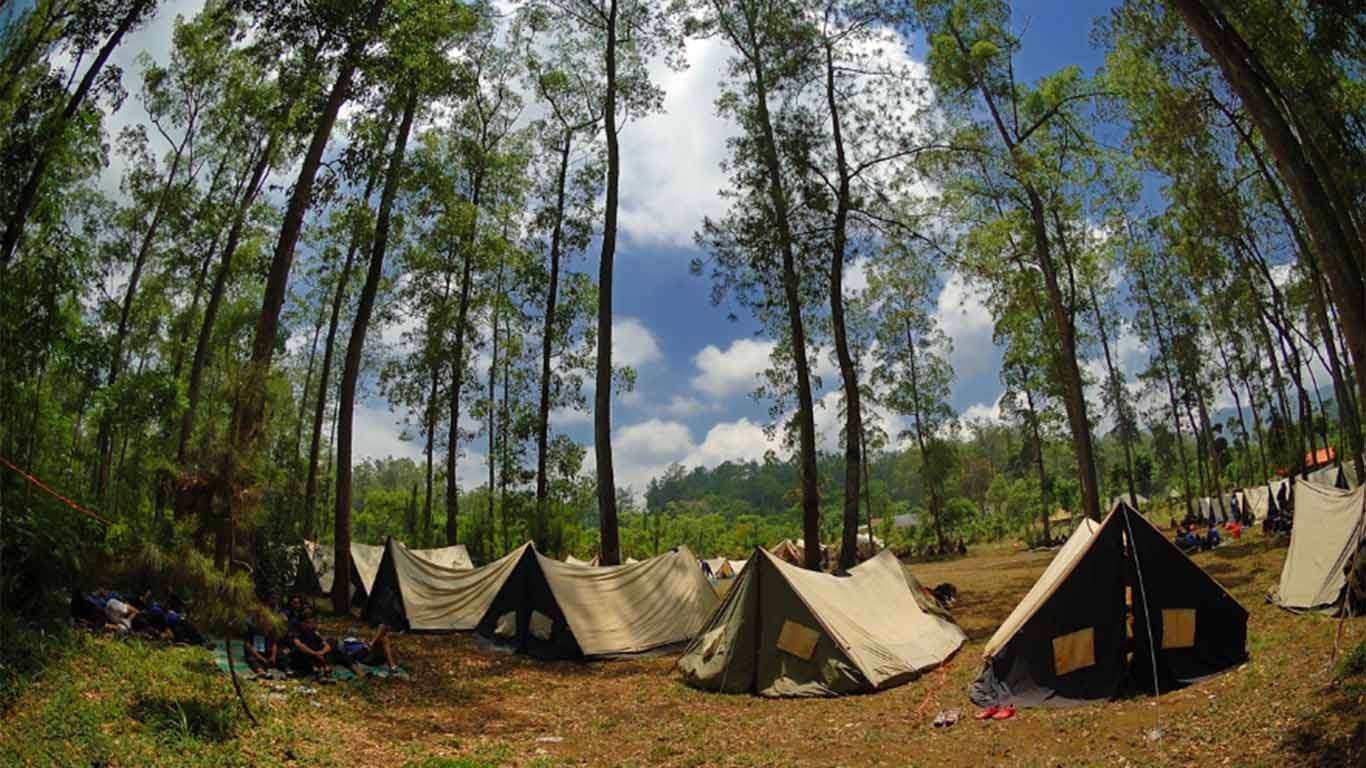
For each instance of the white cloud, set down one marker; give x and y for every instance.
(566, 417)
(379, 433)
(964, 318)
(731, 371)
(987, 412)
(672, 169)
(683, 405)
(742, 440)
(633, 344)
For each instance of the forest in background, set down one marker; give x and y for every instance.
(184, 356)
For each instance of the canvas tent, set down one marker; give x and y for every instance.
(787, 631)
(545, 607)
(736, 566)
(1137, 502)
(455, 556)
(551, 609)
(720, 568)
(794, 551)
(317, 565)
(313, 572)
(1329, 526)
(575, 561)
(1067, 642)
(1330, 476)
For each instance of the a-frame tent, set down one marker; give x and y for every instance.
(316, 568)
(1067, 642)
(545, 607)
(787, 631)
(720, 568)
(1329, 527)
(414, 593)
(313, 570)
(454, 556)
(551, 609)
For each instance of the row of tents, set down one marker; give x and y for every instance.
(1118, 608)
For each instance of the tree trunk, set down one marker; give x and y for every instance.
(216, 293)
(308, 386)
(105, 441)
(329, 351)
(539, 529)
(1117, 387)
(458, 361)
(493, 398)
(1328, 219)
(806, 423)
(610, 551)
(202, 274)
(250, 413)
(1171, 390)
(853, 416)
(931, 486)
(28, 194)
(1038, 462)
(341, 595)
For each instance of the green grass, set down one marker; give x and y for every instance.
(107, 701)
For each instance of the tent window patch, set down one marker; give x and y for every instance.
(711, 642)
(1074, 650)
(507, 625)
(541, 625)
(1178, 628)
(798, 640)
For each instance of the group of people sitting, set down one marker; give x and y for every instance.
(1189, 538)
(135, 615)
(302, 651)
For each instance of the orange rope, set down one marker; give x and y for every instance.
(43, 487)
(934, 692)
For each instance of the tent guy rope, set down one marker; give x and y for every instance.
(53, 493)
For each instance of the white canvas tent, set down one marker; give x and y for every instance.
(455, 556)
(1329, 525)
(737, 565)
(546, 607)
(316, 568)
(787, 631)
(720, 568)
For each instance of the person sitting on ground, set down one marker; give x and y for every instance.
(309, 652)
(293, 612)
(353, 653)
(1212, 539)
(1235, 529)
(263, 652)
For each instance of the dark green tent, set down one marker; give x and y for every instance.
(1069, 639)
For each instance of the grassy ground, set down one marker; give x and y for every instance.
(110, 702)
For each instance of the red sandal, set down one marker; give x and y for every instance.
(1004, 713)
(987, 713)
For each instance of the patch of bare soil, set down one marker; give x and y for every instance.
(497, 709)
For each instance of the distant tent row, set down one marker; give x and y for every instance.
(794, 551)
(595, 562)
(315, 568)
(1069, 641)
(1330, 524)
(787, 631)
(1136, 502)
(545, 607)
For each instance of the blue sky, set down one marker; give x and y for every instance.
(695, 366)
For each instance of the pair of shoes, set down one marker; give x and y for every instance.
(996, 713)
(398, 673)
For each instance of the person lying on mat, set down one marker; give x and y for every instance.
(353, 652)
(310, 653)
